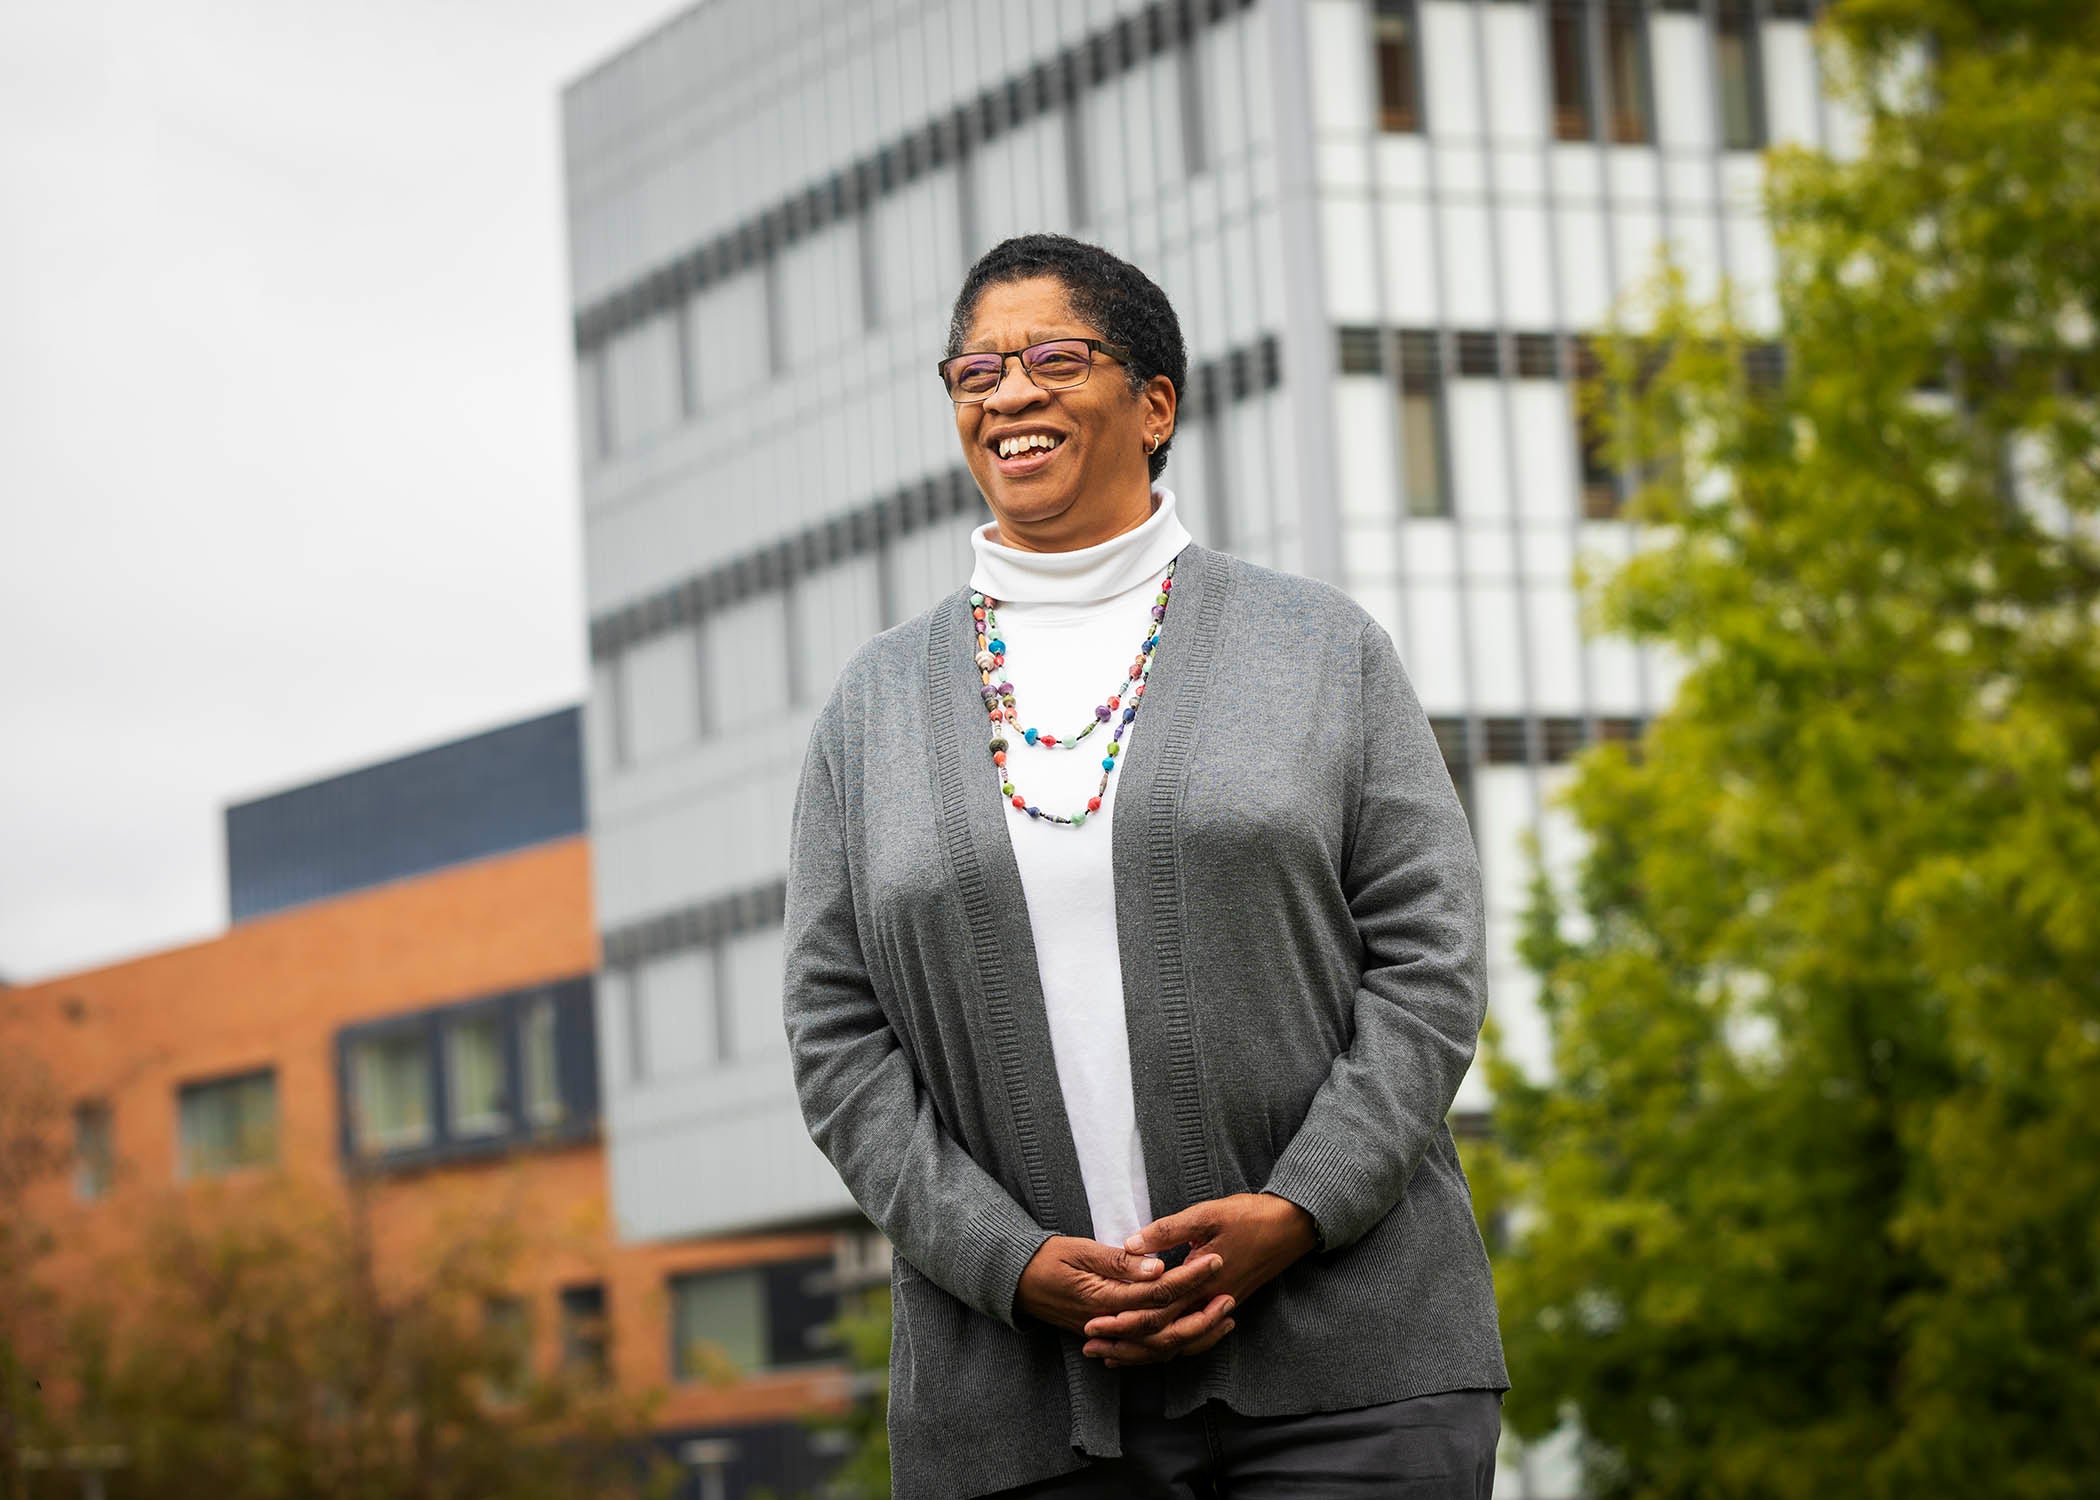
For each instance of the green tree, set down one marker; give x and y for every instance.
(258, 1348)
(1811, 1203)
(862, 1329)
(32, 1112)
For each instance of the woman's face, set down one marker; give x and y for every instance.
(1095, 478)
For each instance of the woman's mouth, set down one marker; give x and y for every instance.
(1026, 457)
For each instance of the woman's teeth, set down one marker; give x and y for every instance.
(1009, 447)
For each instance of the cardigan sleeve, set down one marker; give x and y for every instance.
(859, 1093)
(1411, 874)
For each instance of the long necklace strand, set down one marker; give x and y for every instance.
(999, 700)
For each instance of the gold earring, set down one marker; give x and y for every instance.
(1155, 444)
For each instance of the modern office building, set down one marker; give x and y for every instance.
(406, 997)
(1384, 224)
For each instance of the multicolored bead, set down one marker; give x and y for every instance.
(991, 652)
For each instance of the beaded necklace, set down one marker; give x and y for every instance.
(999, 697)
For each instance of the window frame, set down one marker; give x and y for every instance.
(569, 1116)
(187, 1166)
(410, 1034)
(1396, 58)
(530, 1113)
(1600, 496)
(677, 1282)
(1642, 108)
(586, 1337)
(93, 1174)
(1573, 119)
(504, 1117)
(1739, 18)
(1434, 389)
(507, 1317)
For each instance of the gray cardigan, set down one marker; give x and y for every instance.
(1300, 934)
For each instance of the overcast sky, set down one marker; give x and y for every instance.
(286, 436)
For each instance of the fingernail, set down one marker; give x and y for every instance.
(1135, 1243)
(1230, 1304)
(1150, 1267)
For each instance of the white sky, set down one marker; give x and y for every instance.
(287, 476)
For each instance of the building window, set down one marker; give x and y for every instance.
(718, 1325)
(1739, 76)
(507, 1325)
(492, 1073)
(1600, 485)
(1399, 77)
(586, 1339)
(1626, 71)
(1504, 742)
(1451, 742)
(539, 1057)
(228, 1123)
(390, 1083)
(1627, 115)
(475, 1075)
(1564, 738)
(93, 1166)
(1569, 21)
(1425, 456)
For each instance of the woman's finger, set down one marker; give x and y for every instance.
(1196, 1347)
(1178, 1285)
(1141, 1321)
(1168, 1341)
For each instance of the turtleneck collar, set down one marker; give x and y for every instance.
(1101, 571)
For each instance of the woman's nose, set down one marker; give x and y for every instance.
(1015, 389)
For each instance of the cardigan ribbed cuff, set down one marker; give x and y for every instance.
(997, 1245)
(1326, 1181)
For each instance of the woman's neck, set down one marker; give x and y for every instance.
(1124, 561)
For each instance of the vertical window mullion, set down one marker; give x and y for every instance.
(1188, 64)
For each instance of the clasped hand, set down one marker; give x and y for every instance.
(1133, 1310)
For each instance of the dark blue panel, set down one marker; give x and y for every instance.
(504, 789)
(780, 1458)
(576, 1045)
(794, 1313)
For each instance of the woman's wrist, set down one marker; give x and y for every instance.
(1304, 1229)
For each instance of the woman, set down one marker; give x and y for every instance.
(1134, 955)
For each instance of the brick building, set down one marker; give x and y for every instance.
(407, 988)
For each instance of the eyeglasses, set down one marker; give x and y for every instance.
(1054, 365)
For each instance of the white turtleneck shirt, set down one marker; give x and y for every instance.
(1074, 623)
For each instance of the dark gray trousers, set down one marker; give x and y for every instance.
(1439, 1447)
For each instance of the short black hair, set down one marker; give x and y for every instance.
(1102, 289)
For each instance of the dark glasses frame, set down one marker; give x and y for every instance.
(1115, 352)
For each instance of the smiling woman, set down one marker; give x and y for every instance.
(1153, 1118)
